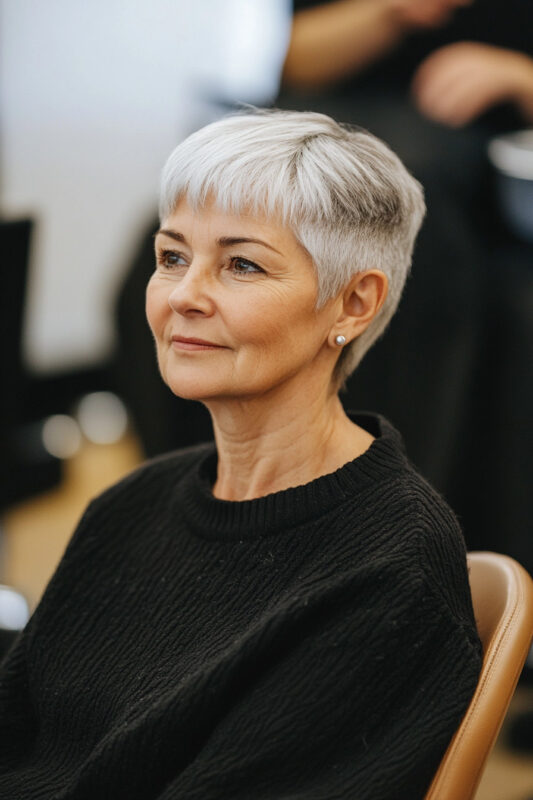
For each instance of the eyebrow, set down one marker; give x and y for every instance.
(224, 241)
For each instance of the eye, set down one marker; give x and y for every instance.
(241, 266)
(170, 259)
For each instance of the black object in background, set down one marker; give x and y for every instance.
(26, 468)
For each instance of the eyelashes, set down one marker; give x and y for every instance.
(172, 259)
(243, 266)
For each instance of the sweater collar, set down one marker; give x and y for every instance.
(282, 511)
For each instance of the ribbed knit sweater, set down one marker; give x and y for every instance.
(315, 643)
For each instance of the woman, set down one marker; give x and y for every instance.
(287, 613)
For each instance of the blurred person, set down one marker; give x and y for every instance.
(285, 611)
(454, 84)
(437, 79)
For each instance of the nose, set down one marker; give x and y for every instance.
(192, 294)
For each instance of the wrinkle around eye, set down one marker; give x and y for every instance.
(253, 268)
(164, 255)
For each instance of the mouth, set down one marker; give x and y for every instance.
(187, 343)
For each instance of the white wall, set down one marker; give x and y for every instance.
(94, 97)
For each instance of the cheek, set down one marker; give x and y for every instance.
(264, 324)
(274, 328)
(156, 306)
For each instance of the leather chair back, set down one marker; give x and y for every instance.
(502, 594)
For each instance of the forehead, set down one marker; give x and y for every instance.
(209, 221)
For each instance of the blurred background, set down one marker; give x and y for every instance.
(93, 99)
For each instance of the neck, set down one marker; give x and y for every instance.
(268, 444)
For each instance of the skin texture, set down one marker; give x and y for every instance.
(457, 83)
(268, 381)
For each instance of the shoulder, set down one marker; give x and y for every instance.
(415, 496)
(396, 490)
(152, 481)
(136, 504)
(418, 530)
(440, 555)
(437, 543)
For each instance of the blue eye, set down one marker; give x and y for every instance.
(244, 267)
(170, 259)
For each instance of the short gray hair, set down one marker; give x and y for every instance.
(346, 196)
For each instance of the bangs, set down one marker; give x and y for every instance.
(243, 174)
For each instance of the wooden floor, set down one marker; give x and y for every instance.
(35, 535)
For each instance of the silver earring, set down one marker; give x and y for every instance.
(340, 340)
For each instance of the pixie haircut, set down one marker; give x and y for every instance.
(345, 195)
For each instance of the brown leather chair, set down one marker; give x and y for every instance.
(502, 594)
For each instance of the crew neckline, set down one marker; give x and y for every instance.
(272, 514)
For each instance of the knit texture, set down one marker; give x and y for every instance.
(315, 643)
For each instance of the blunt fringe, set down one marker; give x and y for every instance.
(345, 195)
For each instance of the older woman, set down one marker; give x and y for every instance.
(284, 614)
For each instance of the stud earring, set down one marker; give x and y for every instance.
(340, 340)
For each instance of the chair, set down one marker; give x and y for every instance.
(502, 594)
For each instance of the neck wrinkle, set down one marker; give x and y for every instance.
(262, 451)
(285, 511)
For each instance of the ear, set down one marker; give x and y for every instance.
(361, 301)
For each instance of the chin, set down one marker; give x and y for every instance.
(189, 390)
(192, 387)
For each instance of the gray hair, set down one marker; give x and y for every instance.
(345, 195)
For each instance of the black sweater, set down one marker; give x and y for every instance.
(315, 643)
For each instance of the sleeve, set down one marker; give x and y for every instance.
(352, 700)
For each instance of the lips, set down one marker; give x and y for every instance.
(194, 343)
